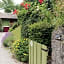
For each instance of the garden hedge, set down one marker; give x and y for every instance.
(37, 24)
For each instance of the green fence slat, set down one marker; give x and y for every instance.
(29, 53)
(35, 44)
(32, 52)
(38, 53)
(44, 54)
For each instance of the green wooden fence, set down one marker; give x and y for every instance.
(37, 53)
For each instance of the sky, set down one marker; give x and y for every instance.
(15, 1)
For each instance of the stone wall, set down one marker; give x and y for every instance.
(58, 46)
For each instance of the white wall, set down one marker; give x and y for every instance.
(2, 10)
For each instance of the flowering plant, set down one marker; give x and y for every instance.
(15, 11)
(26, 5)
(20, 49)
(40, 1)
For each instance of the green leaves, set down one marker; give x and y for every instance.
(40, 25)
(37, 24)
(21, 50)
(8, 5)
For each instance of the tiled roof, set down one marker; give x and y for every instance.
(8, 16)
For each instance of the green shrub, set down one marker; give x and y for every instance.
(1, 30)
(40, 32)
(17, 33)
(37, 24)
(11, 29)
(20, 49)
(8, 41)
(15, 25)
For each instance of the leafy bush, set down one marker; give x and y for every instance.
(10, 30)
(8, 41)
(17, 33)
(37, 24)
(58, 13)
(21, 15)
(13, 27)
(40, 32)
(20, 49)
(1, 30)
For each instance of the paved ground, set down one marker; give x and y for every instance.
(5, 55)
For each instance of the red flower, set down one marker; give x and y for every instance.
(40, 1)
(26, 8)
(29, 5)
(22, 4)
(26, 5)
(15, 11)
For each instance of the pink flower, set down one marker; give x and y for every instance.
(40, 1)
(22, 4)
(26, 6)
(29, 5)
(15, 11)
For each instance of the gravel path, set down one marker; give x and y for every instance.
(5, 55)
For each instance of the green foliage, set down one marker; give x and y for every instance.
(21, 15)
(20, 49)
(5, 22)
(58, 13)
(40, 25)
(8, 9)
(1, 4)
(39, 21)
(7, 5)
(40, 32)
(8, 41)
(37, 24)
(17, 33)
(10, 30)
(15, 25)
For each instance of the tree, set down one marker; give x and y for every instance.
(7, 5)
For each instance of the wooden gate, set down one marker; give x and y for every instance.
(37, 53)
